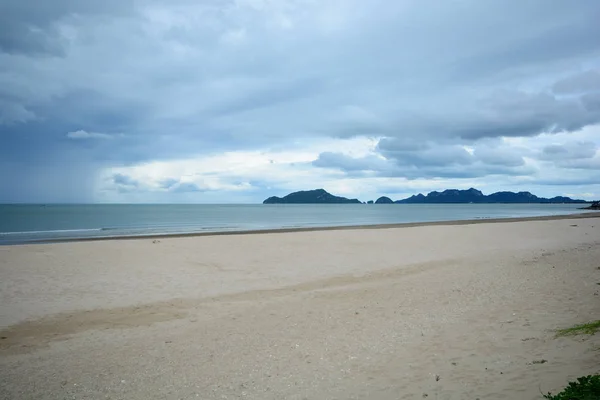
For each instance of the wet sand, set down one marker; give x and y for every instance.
(450, 311)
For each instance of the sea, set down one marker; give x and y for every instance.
(54, 222)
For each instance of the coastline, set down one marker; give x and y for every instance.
(588, 214)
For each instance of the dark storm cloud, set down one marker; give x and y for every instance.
(499, 156)
(520, 114)
(29, 27)
(569, 151)
(434, 161)
(401, 144)
(430, 154)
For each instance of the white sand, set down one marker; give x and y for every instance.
(357, 314)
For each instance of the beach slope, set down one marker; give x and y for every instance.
(439, 312)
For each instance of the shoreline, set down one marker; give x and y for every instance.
(582, 215)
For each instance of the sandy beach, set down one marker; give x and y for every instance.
(461, 311)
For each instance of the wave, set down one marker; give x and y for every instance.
(51, 231)
(124, 231)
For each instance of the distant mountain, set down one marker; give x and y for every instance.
(320, 196)
(475, 196)
(384, 200)
(317, 196)
(595, 206)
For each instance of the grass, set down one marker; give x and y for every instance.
(585, 388)
(589, 328)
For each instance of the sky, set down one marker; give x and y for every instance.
(233, 101)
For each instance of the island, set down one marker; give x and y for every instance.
(449, 196)
(384, 200)
(476, 196)
(317, 196)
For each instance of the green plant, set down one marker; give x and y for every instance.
(590, 328)
(586, 388)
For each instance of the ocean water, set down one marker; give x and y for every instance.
(31, 223)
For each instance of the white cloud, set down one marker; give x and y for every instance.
(238, 171)
(81, 134)
(361, 172)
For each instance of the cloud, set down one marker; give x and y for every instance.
(433, 154)
(569, 151)
(453, 91)
(499, 155)
(168, 183)
(581, 83)
(11, 113)
(591, 101)
(35, 28)
(349, 164)
(81, 134)
(571, 181)
(402, 145)
(236, 173)
(514, 114)
(185, 187)
(428, 162)
(125, 180)
(574, 155)
(176, 186)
